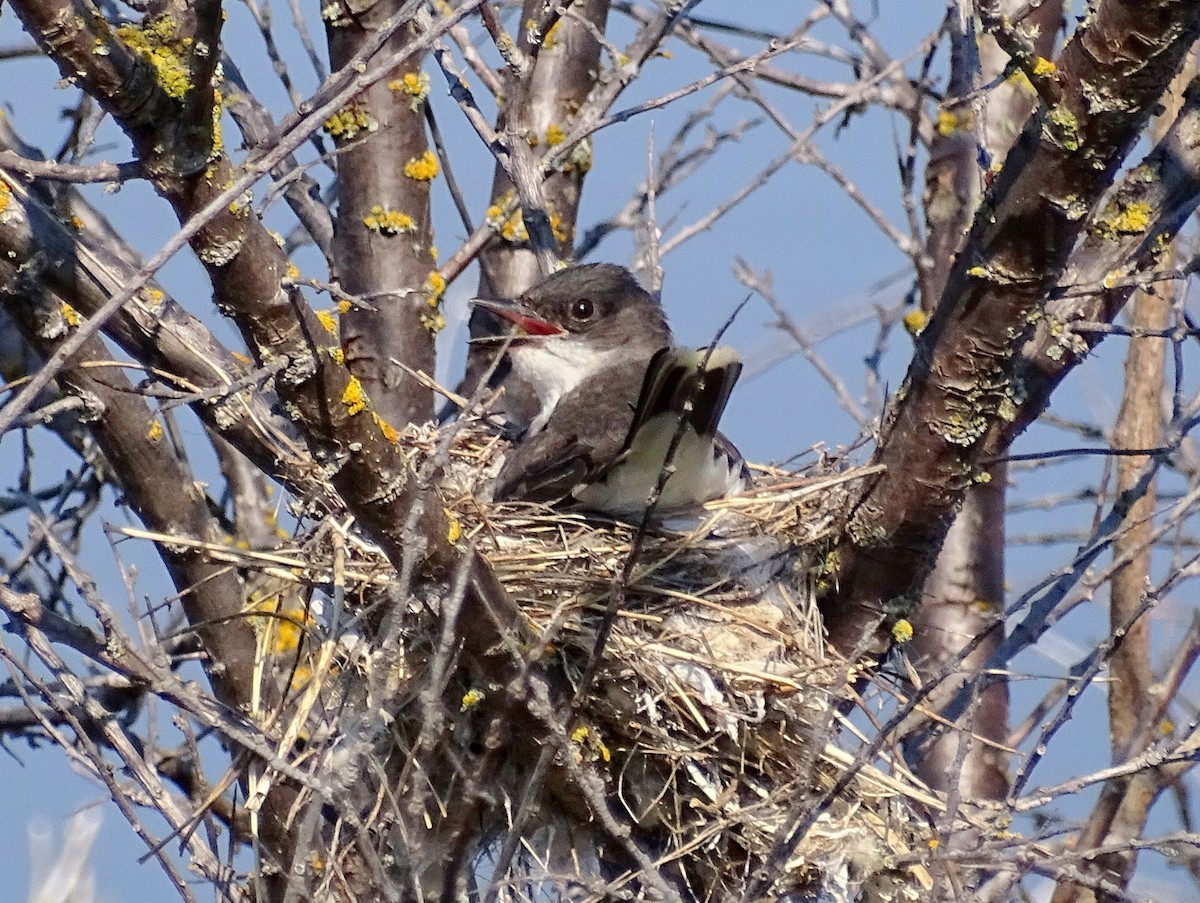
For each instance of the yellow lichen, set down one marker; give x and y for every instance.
(433, 321)
(388, 222)
(951, 121)
(242, 207)
(70, 315)
(328, 322)
(155, 433)
(354, 398)
(423, 168)
(510, 227)
(562, 231)
(334, 15)
(218, 137)
(1130, 219)
(349, 121)
(415, 85)
(1063, 128)
(155, 43)
(1006, 410)
(1043, 66)
(386, 429)
(902, 631)
(555, 135)
(590, 742)
(301, 675)
(513, 229)
(1019, 80)
(293, 271)
(962, 427)
(435, 285)
(336, 354)
(471, 698)
(454, 529)
(552, 38)
(914, 322)
(343, 307)
(287, 625)
(580, 158)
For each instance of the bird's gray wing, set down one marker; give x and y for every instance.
(542, 468)
(675, 376)
(545, 467)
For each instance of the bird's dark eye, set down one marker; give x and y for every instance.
(583, 310)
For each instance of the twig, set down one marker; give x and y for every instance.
(66, 172)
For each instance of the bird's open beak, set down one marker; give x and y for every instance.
(526, 321)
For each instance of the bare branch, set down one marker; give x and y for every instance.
(1016, 252)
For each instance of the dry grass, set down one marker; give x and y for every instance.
(715, 715)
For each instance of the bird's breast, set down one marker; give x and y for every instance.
(557, 366)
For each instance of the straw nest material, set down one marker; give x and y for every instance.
(713, 717)
(715, 674)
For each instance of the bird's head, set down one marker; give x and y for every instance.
(600, 304)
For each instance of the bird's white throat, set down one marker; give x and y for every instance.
(555, 366)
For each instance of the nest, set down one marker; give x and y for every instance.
(711, 719)
(716, 704)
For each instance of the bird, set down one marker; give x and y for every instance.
(612, 391)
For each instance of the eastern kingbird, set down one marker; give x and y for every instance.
(613, 391)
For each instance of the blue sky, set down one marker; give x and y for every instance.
(831, 267)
